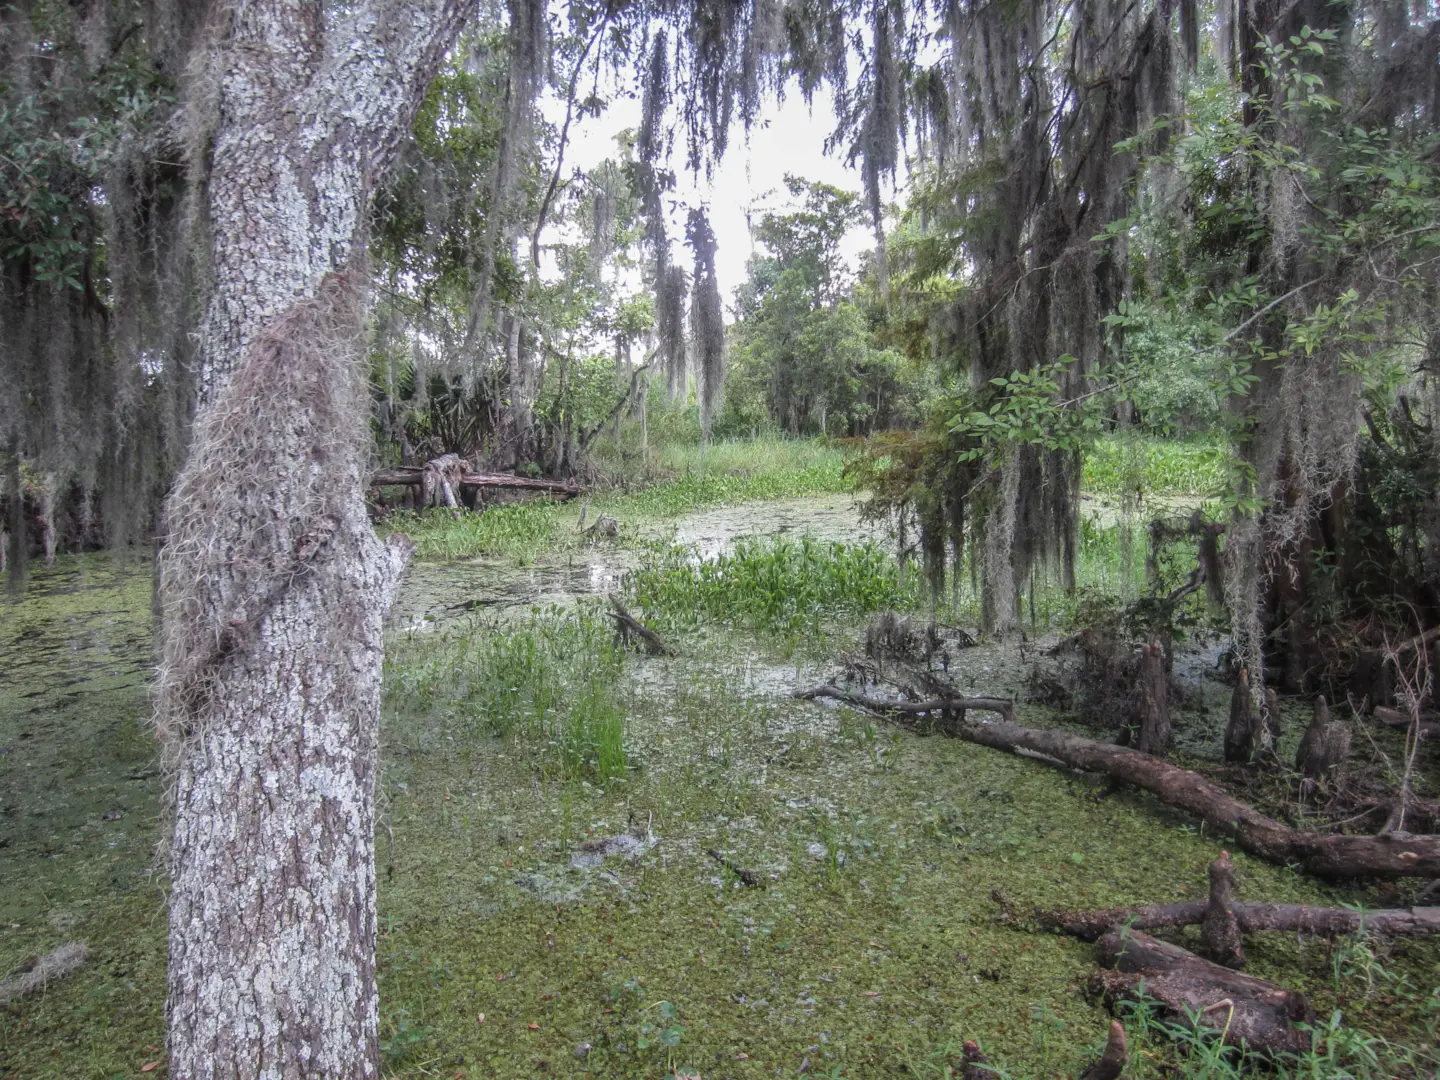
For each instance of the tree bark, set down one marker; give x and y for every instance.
(272, 583)
(1155, 730)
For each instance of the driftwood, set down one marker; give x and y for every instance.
(627, 626)
(1193, 990)
(416, 477)
(1324, 855)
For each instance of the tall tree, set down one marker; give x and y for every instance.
(272, 583)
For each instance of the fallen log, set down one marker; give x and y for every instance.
(1194, 991)
(1223, 917)
(1425, 729)
(415, 476)
(1252, 918)
(627, 626)
(1324, 855)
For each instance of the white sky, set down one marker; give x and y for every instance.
(786, 138)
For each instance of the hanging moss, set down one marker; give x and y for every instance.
(706, 318)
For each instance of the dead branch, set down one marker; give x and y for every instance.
(1192, 990)
(626, 625)
(888, 708)
(497, 481)
(747, 877)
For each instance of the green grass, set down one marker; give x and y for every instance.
(1125, 465)
(786, 587)
(547, 682)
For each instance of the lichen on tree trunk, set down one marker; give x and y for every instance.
(272, 583)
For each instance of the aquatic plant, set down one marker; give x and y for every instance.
(783, 587)
(548, 682)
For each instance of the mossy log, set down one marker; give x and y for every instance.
(1193, 990)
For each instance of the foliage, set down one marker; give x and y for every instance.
(1129, 465)
(805, 358)
(782, 587)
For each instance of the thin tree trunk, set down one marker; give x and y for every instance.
(272, 593)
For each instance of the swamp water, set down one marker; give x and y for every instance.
(548, 904)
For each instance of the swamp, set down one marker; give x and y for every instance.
(678, 539)
(550, 801)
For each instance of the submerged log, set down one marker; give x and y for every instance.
(1324, 855)
(1193, 990)
(498, 481)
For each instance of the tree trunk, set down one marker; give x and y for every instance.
(1155, 730)
(272, 594)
